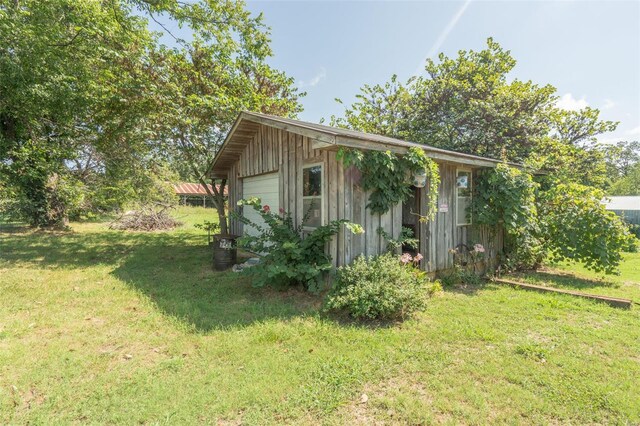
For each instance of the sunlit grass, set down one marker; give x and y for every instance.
(100, 326)
(577, 277)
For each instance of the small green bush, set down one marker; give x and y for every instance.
(288, 259)
(383, 287)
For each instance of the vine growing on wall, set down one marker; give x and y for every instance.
(388, 177)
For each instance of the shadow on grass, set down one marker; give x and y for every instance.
(469, 289)
(562, 280)
(68, 249)
(173, 269)
(179, 279)
(13, 227)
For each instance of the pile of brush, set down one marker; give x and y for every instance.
(146, 218)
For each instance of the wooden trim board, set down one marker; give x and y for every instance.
(613, 301)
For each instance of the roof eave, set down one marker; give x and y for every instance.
(325, 139)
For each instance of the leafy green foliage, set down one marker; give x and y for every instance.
(623, 167)
(289, 259)
(70, 72)
(379, 288)
(470, 103)
(629, 184)
(621, 159)
(566, 221)
(405, 239)
(89, 94)
(388, 176)
(506, 196)
(576, 226)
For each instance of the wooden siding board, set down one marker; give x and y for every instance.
(332, 201)
(386, 219)
(291, 183)
(358, 241)
(348, 213)
(298, 177)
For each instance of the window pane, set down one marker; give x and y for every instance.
(312, 181)
(312, 210)
(463, 215)
(463, 183)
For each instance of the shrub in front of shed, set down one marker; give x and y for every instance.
(287, 258)
(385, 287)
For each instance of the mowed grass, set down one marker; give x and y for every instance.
(572, 276)
(99, 326)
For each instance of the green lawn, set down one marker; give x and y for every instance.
(99, 326)
(576, 277)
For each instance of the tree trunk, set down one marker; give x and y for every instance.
(222, 217)
(217, 195)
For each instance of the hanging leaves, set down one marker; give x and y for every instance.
(388, 176)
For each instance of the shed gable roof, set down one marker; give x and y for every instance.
(326, 137)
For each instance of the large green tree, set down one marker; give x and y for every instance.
(204, 83)
(470, 104)
(628, 184)
(67, 69)
(90, 98)
(622, 161)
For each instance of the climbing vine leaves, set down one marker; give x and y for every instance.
(567, 222)
(388, 176)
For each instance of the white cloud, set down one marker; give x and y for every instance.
(608, 104)
(568, 102)
(443, 35)
(633, 132)
(615, 137)
(320, 75)
(609, 141)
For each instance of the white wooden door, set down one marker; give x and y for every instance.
(267, 188)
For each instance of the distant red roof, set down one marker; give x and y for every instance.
(185, 188)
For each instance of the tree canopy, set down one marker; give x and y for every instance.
(92, 103)
(469, 104)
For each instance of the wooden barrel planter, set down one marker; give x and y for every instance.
(225, 251)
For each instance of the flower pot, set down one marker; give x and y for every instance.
(225, 251)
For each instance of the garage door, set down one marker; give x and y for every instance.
(267, 188)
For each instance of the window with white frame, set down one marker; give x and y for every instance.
(312, 202)
(464, 197)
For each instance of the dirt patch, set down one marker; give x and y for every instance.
(377, 404)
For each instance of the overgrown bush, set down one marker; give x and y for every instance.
(384, 287)
(577, 226)
(563, 221)
(289, 259)
(506, 196)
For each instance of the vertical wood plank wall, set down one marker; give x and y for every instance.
(275, 150)
(441, 234)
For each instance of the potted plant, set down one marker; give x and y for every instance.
(224, 244)
(225, 252)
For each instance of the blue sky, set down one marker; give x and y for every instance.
(588, 50)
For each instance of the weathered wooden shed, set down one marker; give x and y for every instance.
(292, 164)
